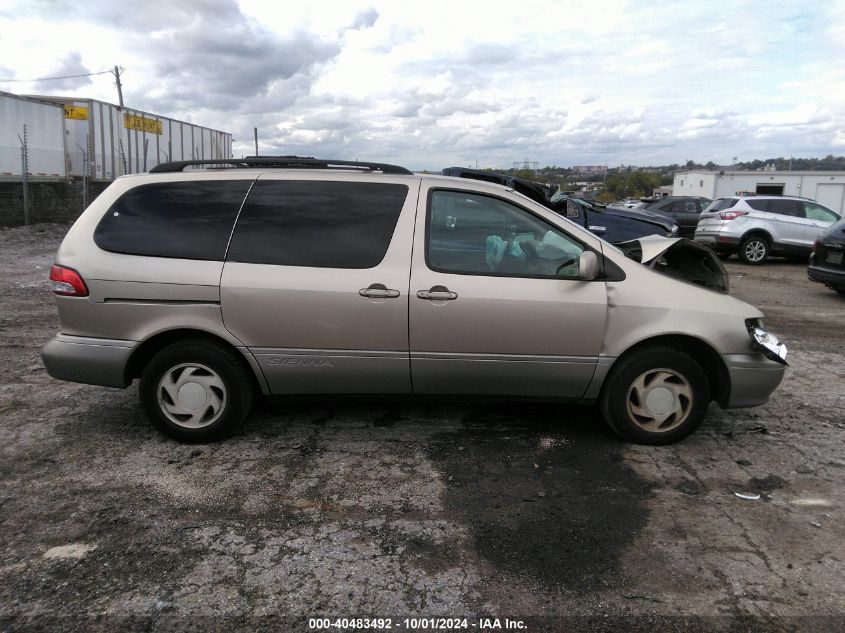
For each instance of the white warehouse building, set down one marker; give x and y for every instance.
(825, 187)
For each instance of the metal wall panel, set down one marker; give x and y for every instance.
(45, 136)
(78, 133)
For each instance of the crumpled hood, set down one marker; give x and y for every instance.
(679, 258)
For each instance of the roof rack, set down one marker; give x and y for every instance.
(290, 162)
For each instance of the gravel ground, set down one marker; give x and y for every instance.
(532, 512)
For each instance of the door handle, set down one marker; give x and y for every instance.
(437, 293)
(378, 291)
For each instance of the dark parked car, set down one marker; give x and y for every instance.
(611, 223)
(684, 211)
(826, 261)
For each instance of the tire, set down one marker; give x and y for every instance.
(754, 250)
(196, 391)
(839, 289)
(646, 385)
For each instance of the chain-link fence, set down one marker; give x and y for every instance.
(49, 201)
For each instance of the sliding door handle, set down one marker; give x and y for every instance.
(378, 291)
(437, 293)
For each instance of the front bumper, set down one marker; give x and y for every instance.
(94, 361)
(753, 379)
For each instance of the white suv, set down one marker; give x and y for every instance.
(755, 227)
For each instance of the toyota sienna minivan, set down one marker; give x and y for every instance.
(289, 276)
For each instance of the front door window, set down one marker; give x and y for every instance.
(481, 235)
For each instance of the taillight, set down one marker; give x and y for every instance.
(732, 215)
(67, 282)
(815, 245)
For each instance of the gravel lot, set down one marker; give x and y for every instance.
(532, 512)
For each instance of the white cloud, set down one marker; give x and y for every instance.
(801, 114)
(430, 84)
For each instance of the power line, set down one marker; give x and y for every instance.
(102, 72)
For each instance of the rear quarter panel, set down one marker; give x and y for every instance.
(134, 297)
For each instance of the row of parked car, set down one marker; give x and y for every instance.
(755, 227)
(614, 224)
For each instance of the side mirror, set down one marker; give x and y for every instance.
(588, 266)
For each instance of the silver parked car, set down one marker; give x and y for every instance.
(302, 276)
(755, 227)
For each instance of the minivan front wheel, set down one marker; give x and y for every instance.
(753, 250)
(655, 396)
(196, 391)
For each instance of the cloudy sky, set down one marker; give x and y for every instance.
(433, 84)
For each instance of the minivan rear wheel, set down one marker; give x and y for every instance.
(753, 250)
(657, 395)
(196, 391)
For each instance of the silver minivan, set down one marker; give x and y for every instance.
(286, 276)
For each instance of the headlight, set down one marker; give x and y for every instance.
(766, 342)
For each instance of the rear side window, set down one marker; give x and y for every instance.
(683, 206)
(317, 223)
(758, 205)
(786, 207)
(187, 220)
(721, 204)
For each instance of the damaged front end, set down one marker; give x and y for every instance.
(679, 258)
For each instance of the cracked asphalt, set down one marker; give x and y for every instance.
(532, 512)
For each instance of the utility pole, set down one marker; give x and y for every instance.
(119, 87)
(255, 131)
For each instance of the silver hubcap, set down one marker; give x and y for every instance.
(659, 400)
(191, 395)
(755, 250)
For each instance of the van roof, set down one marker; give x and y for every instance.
(282, 162)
